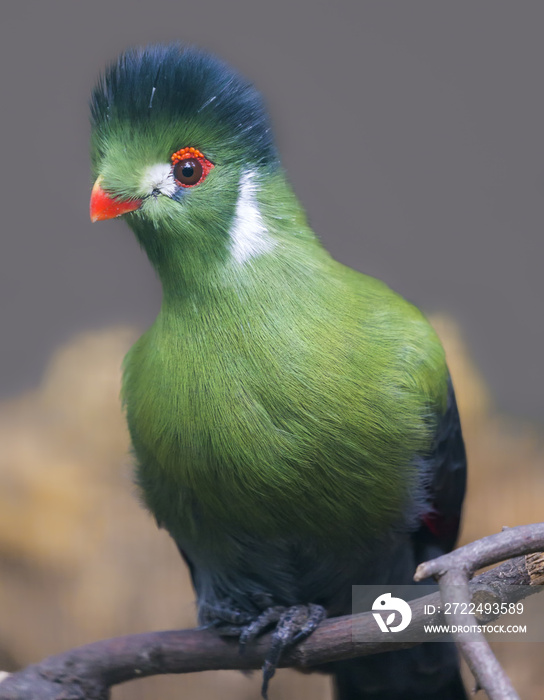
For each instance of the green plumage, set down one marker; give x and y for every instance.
(288, 380)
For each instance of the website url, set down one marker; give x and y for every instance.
(473, 629)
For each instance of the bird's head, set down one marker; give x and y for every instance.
(179, 145)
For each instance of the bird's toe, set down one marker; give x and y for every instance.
(225, 616)
(294, 624)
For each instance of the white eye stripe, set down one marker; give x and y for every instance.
(159, 177)
(248, 233)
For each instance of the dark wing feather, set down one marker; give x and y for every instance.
(447, 469)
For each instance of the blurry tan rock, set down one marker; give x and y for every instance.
(81, 560)
(61, 444)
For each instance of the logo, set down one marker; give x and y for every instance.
(395, 607)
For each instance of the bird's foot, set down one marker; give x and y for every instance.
(292, 626)
(229, 620)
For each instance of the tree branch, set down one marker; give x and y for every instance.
(87, 673)
(453, 571)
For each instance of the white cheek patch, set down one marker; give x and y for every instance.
(248, 233)
(159, 177)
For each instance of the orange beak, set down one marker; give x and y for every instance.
(104, 206)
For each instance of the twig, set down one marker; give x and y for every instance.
(511, 542)
(487, 671)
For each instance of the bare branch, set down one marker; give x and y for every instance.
(453, 571)
(87, 673)
(511, 542)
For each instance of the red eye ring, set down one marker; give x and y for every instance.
(191, 167)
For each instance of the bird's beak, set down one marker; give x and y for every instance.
(104, 206)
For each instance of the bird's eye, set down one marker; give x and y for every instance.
(188, 172)
(190, 167)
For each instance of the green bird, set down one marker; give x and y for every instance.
(293, 421)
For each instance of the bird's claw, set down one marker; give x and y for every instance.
(268, 617)
(293, 625)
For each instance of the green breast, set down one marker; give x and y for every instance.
(295, 405)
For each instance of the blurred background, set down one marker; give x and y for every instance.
(436, 111)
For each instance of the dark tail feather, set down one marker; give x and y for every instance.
(426, 672)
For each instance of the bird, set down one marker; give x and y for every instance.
(293, 421)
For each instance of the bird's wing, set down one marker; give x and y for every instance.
(447, 470)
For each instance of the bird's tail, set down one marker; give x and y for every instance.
(426, 672)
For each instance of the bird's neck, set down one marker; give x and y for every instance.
(190, 275)
(267, 235)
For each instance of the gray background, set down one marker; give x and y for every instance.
(435, 110)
